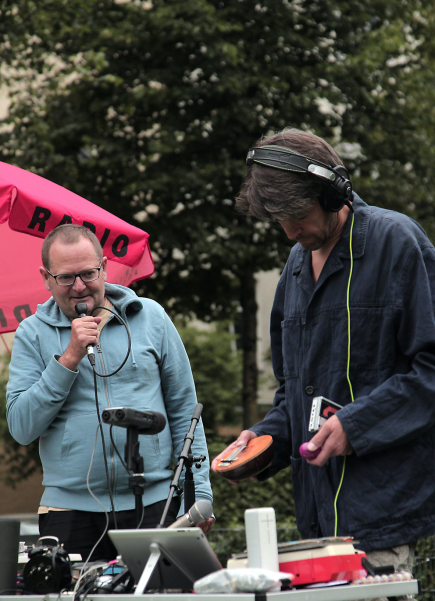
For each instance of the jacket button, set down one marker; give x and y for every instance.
(314, 527)
(309, 390)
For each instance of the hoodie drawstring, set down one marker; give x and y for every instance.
(58, 340)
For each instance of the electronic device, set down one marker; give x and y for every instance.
(321, 410)
(48, 569)
(146, 422)
(261, 541)
(90, 578)
(315, 560)
(186, 555)
(338, 190)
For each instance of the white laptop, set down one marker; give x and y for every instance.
(186, 555)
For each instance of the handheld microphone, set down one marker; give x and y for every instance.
(145, 422)
(199, 512)
(82, 310)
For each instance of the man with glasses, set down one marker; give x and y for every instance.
(50, 395)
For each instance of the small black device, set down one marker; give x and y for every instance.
(146, 422)
(48, 569)
(321, 410)
(101, 579)
(338, 187)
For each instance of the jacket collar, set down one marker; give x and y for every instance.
(341, 249)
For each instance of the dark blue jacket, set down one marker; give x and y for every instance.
(388, 492)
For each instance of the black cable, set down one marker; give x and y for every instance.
(56, 573)
(100, 425)
(106, 466)
(129, 343)
(116, 450)
(96, 373)
(141, 517)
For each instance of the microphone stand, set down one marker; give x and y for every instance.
(189, 483)
(134, 462)
(187, 458)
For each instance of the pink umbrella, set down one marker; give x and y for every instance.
(30, 204)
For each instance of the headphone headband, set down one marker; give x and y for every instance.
(339, 191)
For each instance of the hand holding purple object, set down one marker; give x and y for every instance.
(303, 450)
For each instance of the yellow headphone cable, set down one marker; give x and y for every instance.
(348, 365)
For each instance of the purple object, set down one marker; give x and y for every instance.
(303, 450)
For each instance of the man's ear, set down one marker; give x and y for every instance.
(104, 268)
(45, 278)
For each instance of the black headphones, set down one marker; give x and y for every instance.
(338, 190)
(48, 569)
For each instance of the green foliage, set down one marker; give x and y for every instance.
(424, 568)
(217, 371)
(148, 109)
(18, 462)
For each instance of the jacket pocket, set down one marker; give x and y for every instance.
(384, 490)
(78, 445)
(367, 325)
(291, 340)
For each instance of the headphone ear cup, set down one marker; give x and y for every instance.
(337, 193)
(331, 200)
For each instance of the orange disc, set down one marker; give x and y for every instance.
(242, 463)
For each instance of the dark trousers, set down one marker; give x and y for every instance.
(78, 531)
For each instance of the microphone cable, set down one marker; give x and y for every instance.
(129, 342)
(83, 573)
(103, 442)
(100, 425)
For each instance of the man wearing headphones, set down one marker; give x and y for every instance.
(352, 321)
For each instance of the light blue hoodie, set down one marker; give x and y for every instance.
(49, 401)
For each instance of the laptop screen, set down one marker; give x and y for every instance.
(186, 555)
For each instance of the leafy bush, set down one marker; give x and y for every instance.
(18, 462)
(217, 371)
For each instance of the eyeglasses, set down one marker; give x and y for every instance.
(68, 279)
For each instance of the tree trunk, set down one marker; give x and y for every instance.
(249, 346)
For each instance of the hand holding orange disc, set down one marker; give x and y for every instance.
(247, 461)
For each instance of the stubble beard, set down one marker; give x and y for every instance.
(314, 242)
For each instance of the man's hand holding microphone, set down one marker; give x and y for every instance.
(84, 335)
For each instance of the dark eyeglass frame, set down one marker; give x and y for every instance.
(77, 275)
